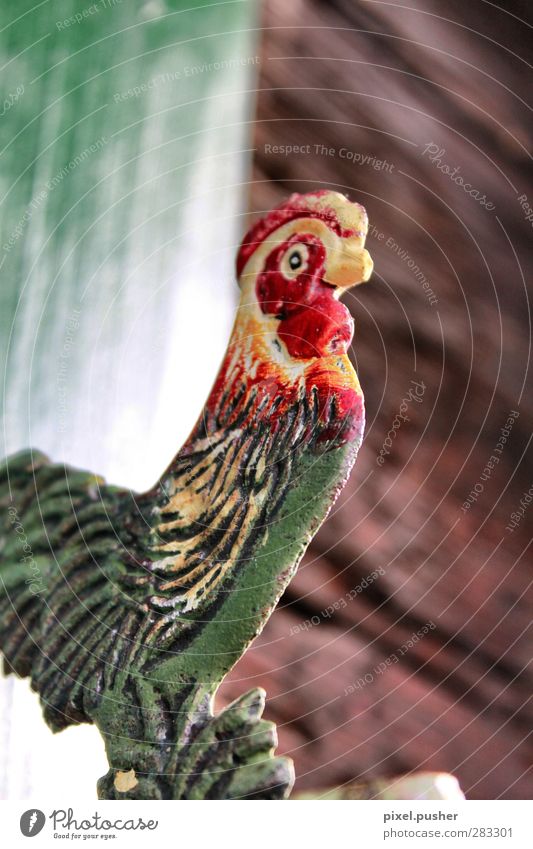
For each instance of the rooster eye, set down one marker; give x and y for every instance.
(294, 261)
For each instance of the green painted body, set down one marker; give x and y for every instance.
(158, 727)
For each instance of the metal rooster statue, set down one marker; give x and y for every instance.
(128, 610)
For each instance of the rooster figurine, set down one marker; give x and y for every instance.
(127, 610)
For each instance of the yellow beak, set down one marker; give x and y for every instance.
(348, 265)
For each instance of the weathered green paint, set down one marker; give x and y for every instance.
(142, 194)
(229, 755)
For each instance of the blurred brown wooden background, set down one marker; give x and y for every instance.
(381, 80)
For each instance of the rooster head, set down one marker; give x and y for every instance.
(297, 261)
(289, 344)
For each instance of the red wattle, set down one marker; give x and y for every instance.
(324, 327)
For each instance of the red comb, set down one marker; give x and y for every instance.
(297, 206)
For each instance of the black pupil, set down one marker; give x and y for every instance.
(295, 260)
